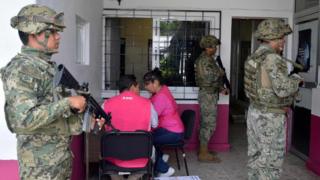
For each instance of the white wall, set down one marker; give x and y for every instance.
(90, 11)
(10, 44)
(229, 8)
(315, 109)
(273, 5)
(318, 76)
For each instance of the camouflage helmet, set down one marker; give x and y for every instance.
(270, 29)
(34, 18)
(209, 41)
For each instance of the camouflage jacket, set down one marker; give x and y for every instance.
(208, 74)
(43, 124)
(266, 79)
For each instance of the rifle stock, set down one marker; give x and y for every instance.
(65, 79)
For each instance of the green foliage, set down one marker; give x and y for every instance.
(166, 70)
(168, 28)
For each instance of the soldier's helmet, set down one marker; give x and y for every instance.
(209, 41)
(271, 29)
(34, 18)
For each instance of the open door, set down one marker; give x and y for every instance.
(243, 44)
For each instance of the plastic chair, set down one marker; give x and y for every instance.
(125, 146)
(188, 119)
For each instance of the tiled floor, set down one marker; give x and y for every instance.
(233, 165)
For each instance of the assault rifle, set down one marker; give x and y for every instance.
(297, 67)
(226, 81)
(64, 78)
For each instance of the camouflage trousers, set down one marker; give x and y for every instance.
(266, 144)
(208, 109)
(61, 171)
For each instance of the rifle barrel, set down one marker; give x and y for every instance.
(296, 65)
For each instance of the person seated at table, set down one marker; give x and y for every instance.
(130, 112)
(170, 128)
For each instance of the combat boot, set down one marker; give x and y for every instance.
(214, 153)
(205, 156)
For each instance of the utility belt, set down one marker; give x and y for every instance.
(209, 89)
(278, 110)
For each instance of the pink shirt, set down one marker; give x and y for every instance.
(129, 112)
(167, 110)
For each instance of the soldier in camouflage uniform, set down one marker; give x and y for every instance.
(270, 91)
(35, 110)
(209, 79)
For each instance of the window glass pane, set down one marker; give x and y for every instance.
(127, 48)
(82, 41)
(179, 48)
(79, 45)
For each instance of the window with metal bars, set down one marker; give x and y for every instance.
(136, 41)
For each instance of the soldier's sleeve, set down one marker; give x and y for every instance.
(282, 84)
(26, 113)
(75, 124)
(74, 120)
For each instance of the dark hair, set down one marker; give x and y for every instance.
(23, 37)
(153, 75)
(126, 81)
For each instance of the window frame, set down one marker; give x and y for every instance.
(179, 92)
(82, 41)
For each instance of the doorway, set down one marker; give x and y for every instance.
(242, 45)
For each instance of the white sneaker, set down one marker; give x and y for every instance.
(165, 157)
(169, 173)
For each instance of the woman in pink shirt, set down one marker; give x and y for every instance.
(170, 128)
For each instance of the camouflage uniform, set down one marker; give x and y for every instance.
(35, 110)
(209, 79)
(270, 91)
